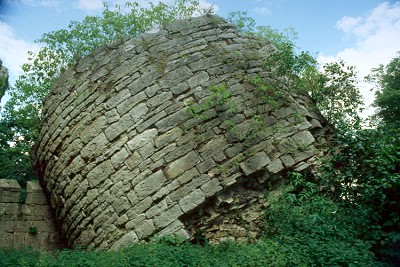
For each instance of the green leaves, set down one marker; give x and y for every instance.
(314, 227)
(387, 79)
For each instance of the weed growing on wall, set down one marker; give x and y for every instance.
(216, 100)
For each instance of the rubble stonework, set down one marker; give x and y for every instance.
(126, 152)
(26, 224)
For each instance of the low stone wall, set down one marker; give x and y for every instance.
(30, 224)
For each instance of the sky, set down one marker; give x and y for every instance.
(363, 33)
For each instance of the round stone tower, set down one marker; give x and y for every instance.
(171, 132)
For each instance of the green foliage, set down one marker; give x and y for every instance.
(32, 230)
(336, 93)
(268, 93)
(25, 257)
(204, 110)
(316, 228)
(18, 130)
(387, 79)
(333, 86)
(242, 21)
(262, 253)
(363, 171)
(62, 48)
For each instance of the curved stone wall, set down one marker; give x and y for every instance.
(168, 133)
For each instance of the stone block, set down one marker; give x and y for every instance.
(304, 138)
(176, 227)
(150, 185)
(147, 151)
(6, 240)
(9, 191)
(128, 239)
(255, 163)
(181, 165)
(133, 160)
(213, 147)
(130, 103)
(198, 79)
(166, 189)
(287, 160)
(159, 99)
(185, 189)
(119, 158)
(211, 187)
(8, 226)
(192, 200)
(151, 121)
(172, 120)
(167, 217)
(177, 76)
(142, 139)
(177, 151)
(100, 173)
(156, 209)
(275, 166)
(94, 147)
(188, 175)
(168, 137)
(146, 229)
(36, 198)
(205, 165)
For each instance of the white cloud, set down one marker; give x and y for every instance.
(89, 5)
(14, 51)
(262, 11)
(377, 39)
(347, 24)
(42, 3)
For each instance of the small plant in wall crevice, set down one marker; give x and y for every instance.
(32, 230)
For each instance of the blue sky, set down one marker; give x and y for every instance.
(364, 33)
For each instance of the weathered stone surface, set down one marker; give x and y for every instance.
(192, 200)
(163, 128)
(181, 165)
(17, 220)
(150, 184)
(255, 163)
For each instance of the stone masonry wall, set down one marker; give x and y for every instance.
(170, 132)
(29, 224)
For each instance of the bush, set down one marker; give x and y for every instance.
(364, 172)
(316, 229)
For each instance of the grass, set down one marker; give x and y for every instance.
(260, 253)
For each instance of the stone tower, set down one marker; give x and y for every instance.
(170, 132)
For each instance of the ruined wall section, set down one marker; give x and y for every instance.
(145, 132)
(26, 224)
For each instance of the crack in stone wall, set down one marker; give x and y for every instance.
(124, 160)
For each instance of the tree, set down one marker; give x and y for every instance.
(333, 85)
(20, 117)
(62, 48)
(335, 91)
(387, 79)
